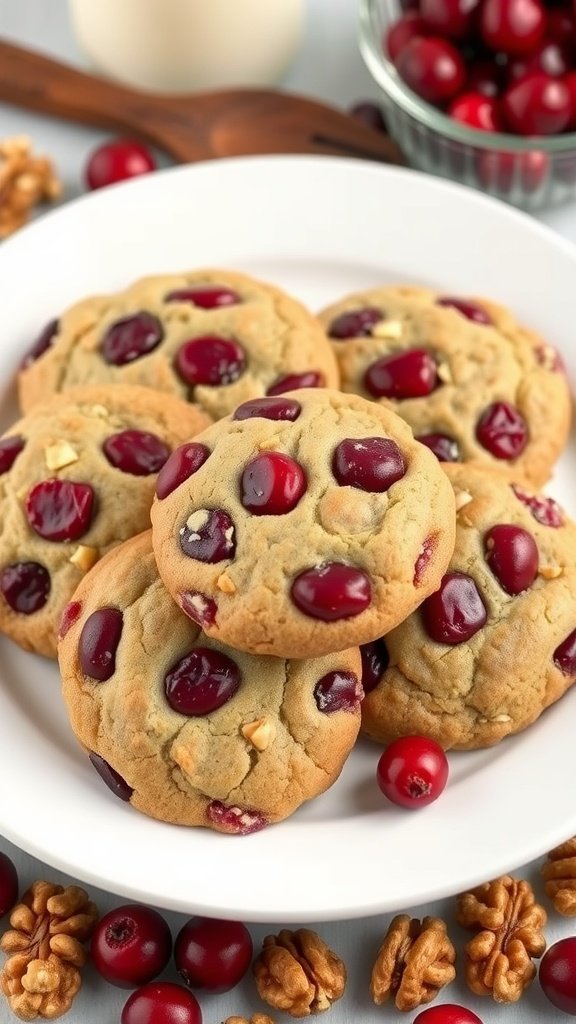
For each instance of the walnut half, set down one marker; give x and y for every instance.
(298, 973)
(415, 960)
(559, 874)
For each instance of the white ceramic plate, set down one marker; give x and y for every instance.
(318, 227)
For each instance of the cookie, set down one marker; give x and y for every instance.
(186, 729)
(77, 476)
(496, 645)
(302, 524)
(210, 336)
(472, 383)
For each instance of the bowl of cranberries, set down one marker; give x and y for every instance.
(480, 91)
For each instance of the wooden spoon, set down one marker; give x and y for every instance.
(197, 126)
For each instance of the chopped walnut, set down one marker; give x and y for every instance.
(40, 977)
(298, 973)
(25, 181)
(415, 961)
(259, 733)
(256, 1018)
(509, 926)
(559, 874)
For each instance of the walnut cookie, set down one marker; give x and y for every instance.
(496, 645)
(472, 383)
(186, 729)
(77, 476)
(302, 524)
(211, 336)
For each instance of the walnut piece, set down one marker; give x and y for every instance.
(256, 1018)
(559, 874)
(415, 961)
(25, 181)
(259, 733)
(40, 977)
(509, 926)
(298, 973)
(84, 557)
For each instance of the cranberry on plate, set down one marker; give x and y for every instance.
(413, 771)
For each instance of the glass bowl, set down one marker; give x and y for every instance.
(528, 172)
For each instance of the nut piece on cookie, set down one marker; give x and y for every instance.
(559, 874)
(296, 972)
(415, 961)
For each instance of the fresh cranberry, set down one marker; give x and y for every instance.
(8, 884)
(199, 607)
(204, 296)
(409, 374)
(212, 955)
(117, 160)
(98, 643)
(357, 323)
(131, 338)
(557, 974)
(413, 771)
(201, 682)
(498, 170)
(561, 26)
(570, 83)
(43, 342)
(60, 509)
(116, 784)
(269, 409)
(161, 1002)
(208, 535)
(565, 655)
(338, 691)
(428, 548)
(236, 821)
(545, 510)
(433, 68)
(455, 612)
(10, 448)
(485, 77)
(370, 114)
(452, 18)
(537, 105)
(331, 592)
(477, 111)
(182, 464)
(445, 448)
(447, 1013)
(136, 452)
(211, 360)
(25, 586)
(293, 381)
(131, 945)
(410, 26)
(375, 661)
(272, 484)
(549, 58)
(502, 431)
(70, 615)
(513, 27)
(512, 555)
(471, 310)
(369, 463)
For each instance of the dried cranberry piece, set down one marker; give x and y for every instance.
(131, 338)
(445, 448)
(368, 463)
(512, 555)
(208, 535)
(293, 381)
(204, 296)
(272, 484)
(182, 464)
(502, 431)
(545, 510)
(375, 661)
(211, 360)
(10, 448)
(565, 655)
(239, 821)
(110, 776)
(269, 409)
(60, 509)
(332, 591)
(409, 374)
(201, 682)
(98, 643)
(357, 323)
(25, 586)
(471, 310)
(70, 615)
(338, 691)
(43, 342)
(136, 452)
(199, 607)
(455, 612)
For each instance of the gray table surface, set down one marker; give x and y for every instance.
(327, 66)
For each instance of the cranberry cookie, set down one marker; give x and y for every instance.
(472, 383)
(77, 476)
(496, 644)
(186, 729)
(302, 524)
(211, 336)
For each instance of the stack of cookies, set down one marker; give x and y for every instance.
(308, 544)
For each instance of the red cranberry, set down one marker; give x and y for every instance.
(565, 655)
(410, 26)
(25, 586)
(131, 338)
(237, 821)
(60, 509)
(447, 1013)
(413, 771)
(433, 68)
(537, 105)
(43, 342)
(209, 536)
(369, 463)
(409, 374)
(357, 323)
(545, 510)
(445, 448)
(453, 18)
(161, 1002)
(10, 448)
(8, 884)
(485, 77)
(513, 27)
(331, 592)
(550, 58)
(268, 409)
(293, 381)
(204, 296)
(477, 111)
(502, 431)
(116, 784)
(561, 26)
(570, 83)
(455, 612)
(557, 974)
(375, 661)
(201, 682)
(98, 643)
(338, 691)
(370, 114)
(199, 607)
(182, 464)
(131, 945)
(212, 955)
(428, 548)
(512, 555)
(117, 160)
(471, 310)
(136, 452)
(211, 360)
(272, 484)
(70, 615)
(500, 170)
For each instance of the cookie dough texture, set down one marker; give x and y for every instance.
(178, 765)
